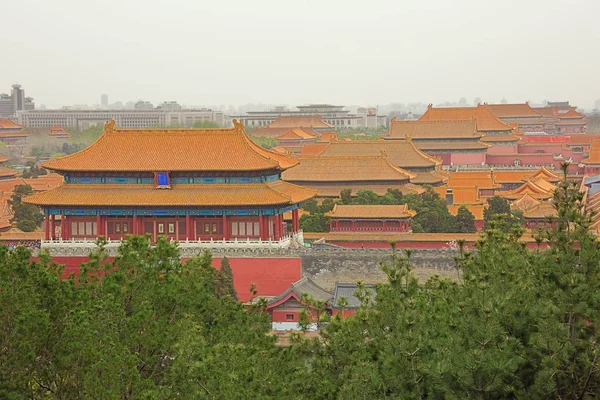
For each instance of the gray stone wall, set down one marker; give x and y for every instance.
(325, 265)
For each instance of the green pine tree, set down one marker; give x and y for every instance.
(224, 277)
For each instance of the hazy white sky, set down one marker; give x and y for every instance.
(295, 52)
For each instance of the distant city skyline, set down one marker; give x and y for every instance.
(339, 52)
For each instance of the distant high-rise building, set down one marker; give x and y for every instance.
(143, 105)
(16, 101)
(169, 105)
(597, 105)
(104, 100)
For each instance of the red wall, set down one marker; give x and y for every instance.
(468, 158)
(271, 276)
(501, 149)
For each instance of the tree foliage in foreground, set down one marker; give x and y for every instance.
(143, 326)
(515, 323)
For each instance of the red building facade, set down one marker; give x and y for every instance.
(371, 218)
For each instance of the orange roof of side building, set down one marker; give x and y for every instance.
(538, 190)
(594, 156)
(546, 111)
(506, 177)
(433, 129)
(476, 210)
(333, 190)
(402, 153)
(15, 234)
(58, 131)
(8, 173)
(302, 121)
(543, 210)
(460, 195)
(6, 123)
(526, 202)
(45, 182)
(121, 150)
(571, 114)
(210, 195)
(296, 134)
(518, 110)
(371, 211)
(348, 169)
(486, 120)
(328, 137)
(480, 179)
(313, 149)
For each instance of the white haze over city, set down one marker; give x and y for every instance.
(67, 52)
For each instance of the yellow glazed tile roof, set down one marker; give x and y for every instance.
(172, 150)
(180, 195)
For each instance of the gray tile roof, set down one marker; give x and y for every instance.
(347, 290)
(305, 285)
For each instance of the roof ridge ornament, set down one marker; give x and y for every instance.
(238, 125)
(109, 126)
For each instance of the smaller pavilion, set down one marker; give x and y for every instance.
(591, 165)
(294, 139)
(456, 142)
(329, 175)
(541, 216)
(12, 134)
(571, 122)
(285, 309)
(58, 132)
(371, 218)
(500, 135)
(538, 189)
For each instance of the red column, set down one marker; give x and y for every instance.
(47, 236)
(353, 226)
(277, 227)
(384, 226)
(188, 226)
(295, 222)
(225, 227)
(99, 225)
(136, 225)
(62, 227)
(52, 227)
(330, 225)
(65, 228)
(261, 227)
(154, 236)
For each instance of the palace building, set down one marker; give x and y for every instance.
(401, 153)
(329, 175)
(200, 185)
(371, 218)
(500, 135)
(58, 132)
(522, 114)
(294, 139)
(456, 142)
(12, 134)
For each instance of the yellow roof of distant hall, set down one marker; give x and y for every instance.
(433, 129)
(486, 119)
(226, 149)
(348, 169)
(401, 153)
